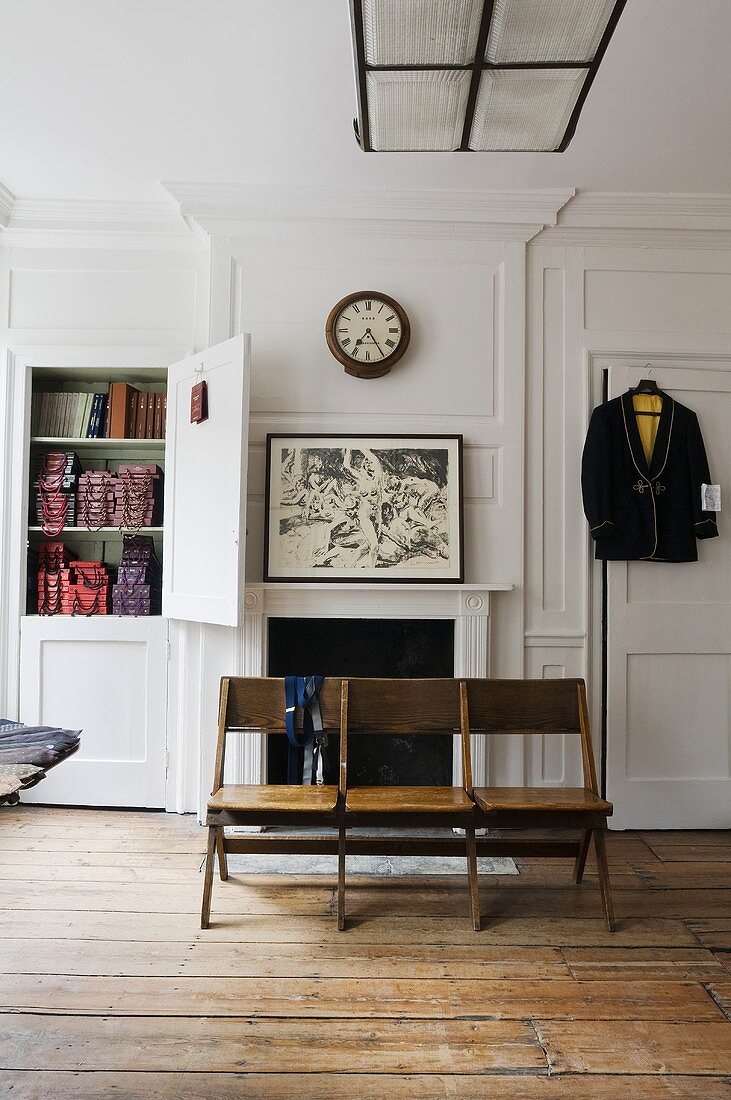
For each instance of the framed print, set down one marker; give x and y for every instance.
(364, 508)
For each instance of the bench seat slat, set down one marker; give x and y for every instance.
(407, 800)
(274, 797)
(537, 799)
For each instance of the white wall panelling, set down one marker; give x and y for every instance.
(674, 318)
(509, 342)
(458, 267)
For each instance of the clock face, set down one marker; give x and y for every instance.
(367, 332)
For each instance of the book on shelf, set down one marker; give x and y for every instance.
(35, 412)
(149, 415)
(43, 418)
(53, 413)
(70, 413)
(123, 413)
(120, 402)
(141, 421)
(97, 418)
(103, 407)
(157, 418)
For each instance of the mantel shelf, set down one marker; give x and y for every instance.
(386, 600)
(364, 586)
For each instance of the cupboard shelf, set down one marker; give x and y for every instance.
(98, 532)
(67, 442)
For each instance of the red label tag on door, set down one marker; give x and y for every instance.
(199, 403)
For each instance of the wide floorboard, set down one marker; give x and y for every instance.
(109, 989)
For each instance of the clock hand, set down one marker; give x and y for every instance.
(369, 333)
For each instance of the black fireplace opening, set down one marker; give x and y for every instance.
(397, 648)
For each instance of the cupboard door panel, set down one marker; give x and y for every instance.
(106, 676)
(205, 488)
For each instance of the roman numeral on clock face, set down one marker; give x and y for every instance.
(391, 343)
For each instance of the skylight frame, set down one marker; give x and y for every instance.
(361, 124)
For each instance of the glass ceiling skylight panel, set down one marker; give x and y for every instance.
(524, 109)
(421, 32)
(546, 30)
(476, 75)
(417, 110)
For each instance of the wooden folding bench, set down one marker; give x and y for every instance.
(543, 707)
(252, 706)
(407, 707)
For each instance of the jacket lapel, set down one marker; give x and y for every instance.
(662, 439)
(633, 435)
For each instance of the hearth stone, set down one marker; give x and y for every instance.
(399, 648)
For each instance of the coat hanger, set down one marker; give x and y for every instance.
(649, 386)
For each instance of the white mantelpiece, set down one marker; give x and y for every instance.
(468, 605)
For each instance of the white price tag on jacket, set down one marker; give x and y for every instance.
(711, 498)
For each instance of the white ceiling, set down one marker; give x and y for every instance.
(102, 99)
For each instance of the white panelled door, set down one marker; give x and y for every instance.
(205, 489)
(106, 676)
(669, 674)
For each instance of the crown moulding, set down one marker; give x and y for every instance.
(219, 208)
(7, 200)
(648, 210)
(93, 223)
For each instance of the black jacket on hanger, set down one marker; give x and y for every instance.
(640, 512)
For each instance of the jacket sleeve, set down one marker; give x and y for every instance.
(704, 523)
(596, 476)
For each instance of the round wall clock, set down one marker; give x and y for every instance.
(367, 332)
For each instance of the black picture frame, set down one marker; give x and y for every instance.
(367, 508)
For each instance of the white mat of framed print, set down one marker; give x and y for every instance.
(364, 508)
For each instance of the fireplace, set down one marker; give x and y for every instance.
(464, 608)
(367, 647)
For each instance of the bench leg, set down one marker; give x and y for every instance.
(472, 877)
(581, 855)
(221, 851)
(341, 880)
(208, 877)
(604, 885)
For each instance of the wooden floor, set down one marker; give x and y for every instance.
(110, 989)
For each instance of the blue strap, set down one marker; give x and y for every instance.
(301, 691)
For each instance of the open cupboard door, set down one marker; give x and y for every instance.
(205, 487)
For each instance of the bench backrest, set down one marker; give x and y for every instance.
(257, 704)
(399, 707)
(533, 706)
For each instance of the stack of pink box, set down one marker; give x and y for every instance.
(131, 498)
(141, 495)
